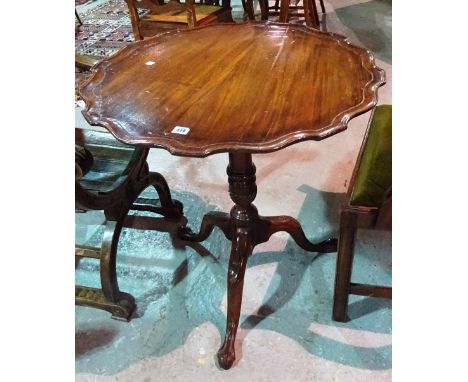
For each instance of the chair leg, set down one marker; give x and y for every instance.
(80, 23)
(244, 6)
(307, 12)
(250, 10)
(315, 18)
(108, 272)
(344, 264)
(284, 11)
(263, 9)
(247, 5)
(322, 6)
(135, 20)
(120, 304)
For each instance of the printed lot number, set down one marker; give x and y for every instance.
(180, 130)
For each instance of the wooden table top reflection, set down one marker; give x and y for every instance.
(237, 88)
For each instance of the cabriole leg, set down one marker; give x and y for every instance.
(241, 249)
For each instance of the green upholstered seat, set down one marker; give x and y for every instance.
(374, 175)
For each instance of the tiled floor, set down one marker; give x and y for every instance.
(286, 333)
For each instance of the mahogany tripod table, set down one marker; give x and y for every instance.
(238, 88)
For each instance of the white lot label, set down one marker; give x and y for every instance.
(180, 130)
(80, 103)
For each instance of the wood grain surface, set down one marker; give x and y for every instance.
(252, 87)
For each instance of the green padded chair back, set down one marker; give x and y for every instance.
(374, 173)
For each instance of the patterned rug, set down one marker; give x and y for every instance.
(106, 29)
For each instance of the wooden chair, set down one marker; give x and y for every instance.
(174, 14)
(284, 9)
(110, 176)
(368, 205)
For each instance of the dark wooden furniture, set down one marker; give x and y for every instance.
(109, 176)
(117, 176)
(267, 86)
(368, 205)
(174, 14)
(284, 9)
